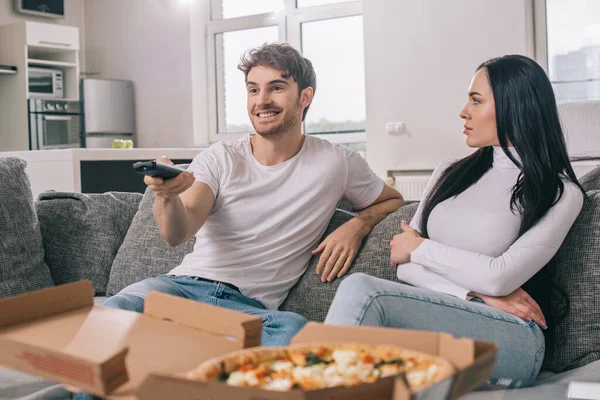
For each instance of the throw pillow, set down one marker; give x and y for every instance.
(83, 232)
(311, 298)
(591, 180)
(22, 266)
(144, 253)
(575, 339)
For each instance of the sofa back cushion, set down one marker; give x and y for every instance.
(311, 298)
(576, 339)
(22, 266)
(591, 180)
(144, 253)
(83, 232)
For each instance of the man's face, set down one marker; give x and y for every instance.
(274, 104)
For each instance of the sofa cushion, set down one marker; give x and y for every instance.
(22, 266)
(373, 258)
(591, 180)
(83, 232)
(575, 339)
(144, 253)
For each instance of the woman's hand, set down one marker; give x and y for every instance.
(518, 303)
(403, 244)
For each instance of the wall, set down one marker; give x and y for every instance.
(73, 17)
(419, 59)
(147, 42)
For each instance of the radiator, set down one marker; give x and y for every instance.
(411, 184)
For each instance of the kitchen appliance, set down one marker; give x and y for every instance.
(41, 8)
(108, 111)
(46, 83)
(54, 124)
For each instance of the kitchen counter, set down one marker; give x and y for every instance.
(92, 170)
(103, 154)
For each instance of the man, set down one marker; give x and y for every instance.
(258, 206)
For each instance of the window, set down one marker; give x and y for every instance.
(572, 48)
(230, 45)
(328, 32)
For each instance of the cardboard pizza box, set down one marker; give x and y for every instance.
(60, 335)
(474, 361)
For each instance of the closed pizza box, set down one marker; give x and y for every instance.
(60, 335)
(473, 360)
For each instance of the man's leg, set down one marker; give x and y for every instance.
(365, 300)
(279, 327)
(132, 297)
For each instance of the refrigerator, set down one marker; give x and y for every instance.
(108, 108)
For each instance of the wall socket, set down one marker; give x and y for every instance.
(396, 129)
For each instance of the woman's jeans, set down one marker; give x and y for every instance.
(364, 300)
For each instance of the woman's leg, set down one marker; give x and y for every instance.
(365, 300)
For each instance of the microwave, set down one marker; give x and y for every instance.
(46, 83)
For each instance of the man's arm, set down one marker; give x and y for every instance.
(388, 201)
(182, 205)
(341, 246)
(180, 217)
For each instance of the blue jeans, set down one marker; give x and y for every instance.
(364, 300)
(278, 326)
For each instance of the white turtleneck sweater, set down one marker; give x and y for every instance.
(474, 242)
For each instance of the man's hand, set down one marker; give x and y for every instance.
(403, 244)
(170, 188)
(338, 250)
(518, 303)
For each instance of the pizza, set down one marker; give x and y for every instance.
(319, 366)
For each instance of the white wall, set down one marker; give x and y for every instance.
(73, 17)
(419, 59)
(147, 42)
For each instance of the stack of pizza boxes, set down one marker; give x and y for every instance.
(59, 334)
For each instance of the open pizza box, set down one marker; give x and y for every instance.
(474, 361)
(60, 335)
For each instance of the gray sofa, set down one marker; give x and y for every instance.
(112, 239)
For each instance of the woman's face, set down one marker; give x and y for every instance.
(480, 113)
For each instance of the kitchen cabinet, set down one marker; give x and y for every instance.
(28, 44)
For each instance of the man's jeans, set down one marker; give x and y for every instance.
(365, 300)
(278, 326)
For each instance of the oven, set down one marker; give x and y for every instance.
(54, 124)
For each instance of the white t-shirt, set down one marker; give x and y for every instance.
(474, 240)
(266, 220)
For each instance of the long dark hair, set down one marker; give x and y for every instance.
(526, 117)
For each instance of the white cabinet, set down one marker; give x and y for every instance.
(28, 44)
(52, 36)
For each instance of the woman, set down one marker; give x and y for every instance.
(486, 226)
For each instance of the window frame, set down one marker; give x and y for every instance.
(540, 26)
(289, 22)
(540, 23)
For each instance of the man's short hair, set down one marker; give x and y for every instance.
(285, 58)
